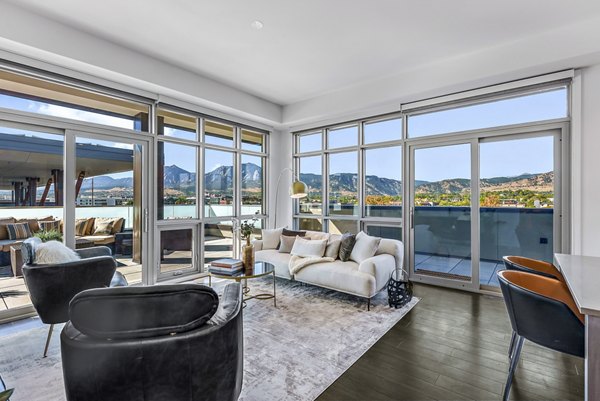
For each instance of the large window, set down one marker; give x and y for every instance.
(362, 180)
(33, 95)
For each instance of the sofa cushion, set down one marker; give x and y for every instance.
(340, 276)
(81, 226)
(117, 224)
(33, 224)
(365, 247)
(3, 222)
(309, 248)
(138, 312)
(99, 239)
(270, 238)
(347, 243)
(316, 235)
(18, 231)
(281, 261)
(104, 228)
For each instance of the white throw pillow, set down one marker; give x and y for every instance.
(333, 246)
(270, 238)
(309, 248)
(286, 243)
(54, 252)
(365, 247)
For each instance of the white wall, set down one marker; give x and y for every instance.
(588, 198)
(23, 33)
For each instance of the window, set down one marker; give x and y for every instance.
(24, 93)
(311, 174)
(176, 181)
(253, 141)
(310, 224)
(383, 182)
(310, 142)
(538, 106)
(218, 134)
(218, 183)
(342, 226)
(383, 131)
(252, 187)
(342, 137)
(343, 183)
(176, 250)
(176, 125)
(218, 241)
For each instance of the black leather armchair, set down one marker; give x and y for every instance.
(541, 310)
(51, 287)
(166, 342)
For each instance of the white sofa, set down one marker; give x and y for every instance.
(364, 280)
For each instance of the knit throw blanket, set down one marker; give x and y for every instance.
(297, 263)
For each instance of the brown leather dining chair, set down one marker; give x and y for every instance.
(534, 266)
(541, 310)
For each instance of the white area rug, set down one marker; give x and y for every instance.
(292, 352)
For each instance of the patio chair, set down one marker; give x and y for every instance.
(541, 310)
(51, 287)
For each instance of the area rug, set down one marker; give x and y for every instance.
(291, 352)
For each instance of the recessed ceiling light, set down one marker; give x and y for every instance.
(257, 25)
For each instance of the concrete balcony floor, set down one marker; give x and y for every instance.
(452, 265)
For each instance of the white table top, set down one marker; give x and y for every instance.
(582, 274)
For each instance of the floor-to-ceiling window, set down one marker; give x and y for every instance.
(484, 177)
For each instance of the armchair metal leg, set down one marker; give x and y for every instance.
(513, 366)
(512, 344)
(48, 340)
(368, 304)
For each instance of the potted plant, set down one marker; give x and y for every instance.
(50, 235)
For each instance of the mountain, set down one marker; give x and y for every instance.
(106, 182)
(542, 182)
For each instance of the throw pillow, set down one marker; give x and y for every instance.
(104, 228)
(3, 222)
(287, 243)
(309, 248)
(18, 231)
(81, 227)
(270, 238)
(365, 247)
(317, 235)
(346, 245)
(53, 252)
(291, 233)
(49, 225)
(34, 227)
(333, 246)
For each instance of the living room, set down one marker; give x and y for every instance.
(332, 201)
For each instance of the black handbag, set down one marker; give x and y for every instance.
(399, 288)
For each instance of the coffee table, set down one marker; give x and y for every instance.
(260, 269)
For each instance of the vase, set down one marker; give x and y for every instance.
(248, 256)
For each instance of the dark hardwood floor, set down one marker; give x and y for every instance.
(453, 346)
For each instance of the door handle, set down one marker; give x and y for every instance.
(145, 221)
(412, 218)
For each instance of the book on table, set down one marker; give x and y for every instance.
(225, 270)
(226, 263)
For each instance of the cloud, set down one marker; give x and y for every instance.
(82, 115)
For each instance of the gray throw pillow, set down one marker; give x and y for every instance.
(346, 245)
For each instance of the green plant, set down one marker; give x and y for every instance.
(50, 235)
(5, 395)
(247, 227)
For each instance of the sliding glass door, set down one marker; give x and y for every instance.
(517, 196)
(441, 212)
(110, 199)
(474, 201)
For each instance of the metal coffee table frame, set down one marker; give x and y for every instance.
(243, 277)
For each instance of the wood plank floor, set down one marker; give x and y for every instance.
(453, 346)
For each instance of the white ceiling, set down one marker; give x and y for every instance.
(310, 48)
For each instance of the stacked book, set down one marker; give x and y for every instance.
(226, 266)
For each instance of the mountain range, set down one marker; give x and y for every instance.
(222, 178)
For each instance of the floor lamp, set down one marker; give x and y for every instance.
(298, 190)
